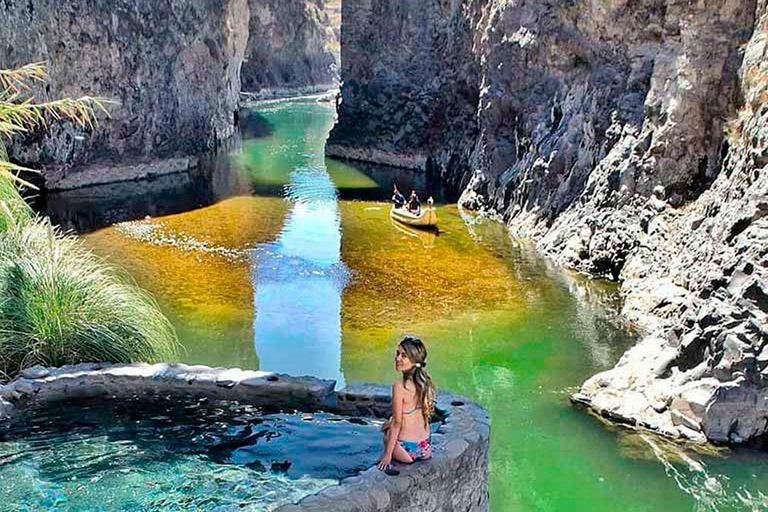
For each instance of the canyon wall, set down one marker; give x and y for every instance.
(628, 139)
(173, 66)
(410, 83)
(293, 46)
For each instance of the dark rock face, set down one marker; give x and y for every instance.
(698, 280)
(174, 66)
(292, 44)
(410, 84)
(629, 139)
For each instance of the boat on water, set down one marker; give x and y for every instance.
(426, 219)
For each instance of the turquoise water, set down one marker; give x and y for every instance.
(297, 268)
(172, 454)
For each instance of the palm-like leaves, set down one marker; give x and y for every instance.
(19, 113)
(59, 304)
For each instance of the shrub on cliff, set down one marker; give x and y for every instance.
(59, 304)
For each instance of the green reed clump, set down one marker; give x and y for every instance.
(13, 208)
(60, 304)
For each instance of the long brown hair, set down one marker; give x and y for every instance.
(425, 390)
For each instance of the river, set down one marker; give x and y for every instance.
(273, 257)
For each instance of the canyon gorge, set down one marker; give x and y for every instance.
(627, 139)
(173, 72)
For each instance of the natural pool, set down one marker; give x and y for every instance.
(287, 261)
(172, 454)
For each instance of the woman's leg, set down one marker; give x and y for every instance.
(399, 454)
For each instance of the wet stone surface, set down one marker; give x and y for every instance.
(231, 420)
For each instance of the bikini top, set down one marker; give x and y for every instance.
(416, 408)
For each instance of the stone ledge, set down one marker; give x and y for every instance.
(57, 178)
(40, 384)
(416, 161)
(456, 478)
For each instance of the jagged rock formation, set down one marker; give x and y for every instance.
(173, 66)
(698, 277)
(292, 46)
(629, 139)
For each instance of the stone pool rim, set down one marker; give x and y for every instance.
(456, 478)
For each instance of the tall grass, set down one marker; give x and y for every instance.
(60, 304)
(13, 208)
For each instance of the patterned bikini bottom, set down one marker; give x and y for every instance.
(418, 450)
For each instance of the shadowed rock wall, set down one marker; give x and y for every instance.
(292, 45)
(173, 65)
(411, 84)
(697, 277)
(628, 139)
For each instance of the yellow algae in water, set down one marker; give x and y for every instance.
(196, 265)
(235, 224)
(401, 278)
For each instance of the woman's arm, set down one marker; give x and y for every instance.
(394, 427)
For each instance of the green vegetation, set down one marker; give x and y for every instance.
(59, 304)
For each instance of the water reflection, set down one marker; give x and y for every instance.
(427, 237)
(380, 179)
(595, 313)
(260, 160)
(299, 279)
(211, 178)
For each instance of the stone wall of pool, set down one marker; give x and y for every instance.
(456, 478)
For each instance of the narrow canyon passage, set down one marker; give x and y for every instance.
(565, 142)
(297, 267)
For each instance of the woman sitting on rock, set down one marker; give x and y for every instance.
(407, 434)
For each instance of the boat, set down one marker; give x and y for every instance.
(426, 219)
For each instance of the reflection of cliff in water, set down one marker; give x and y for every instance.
(425, 184)
(88, 209)
(595, 314)
(253, 124)
(217, 176)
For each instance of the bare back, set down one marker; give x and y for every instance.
(412, 418)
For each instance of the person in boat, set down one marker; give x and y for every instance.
(414, 205)
(397, 198)
(407, 433)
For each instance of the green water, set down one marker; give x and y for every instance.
(307, 275)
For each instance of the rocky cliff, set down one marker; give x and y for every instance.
(173, 65)
(629, 139)
(292, 46)
(411, 83)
